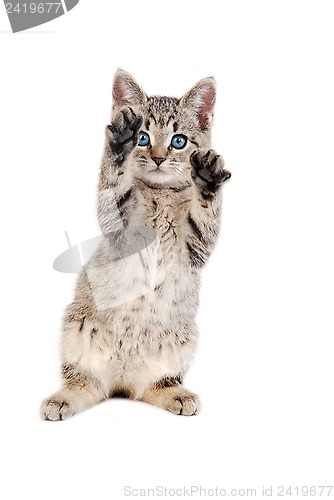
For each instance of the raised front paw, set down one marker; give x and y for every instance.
(123, 130)
(208, 170)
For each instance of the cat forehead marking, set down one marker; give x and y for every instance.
(162, 110)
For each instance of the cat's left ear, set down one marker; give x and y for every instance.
(126, 91)
(201, 101)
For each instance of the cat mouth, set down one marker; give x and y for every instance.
(156, 170)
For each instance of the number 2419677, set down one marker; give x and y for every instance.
(304, 491)
(33, 8)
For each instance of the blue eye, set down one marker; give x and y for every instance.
(178, 141)
(143, 139)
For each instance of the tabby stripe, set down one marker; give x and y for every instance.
(82, 323)
(153, 118)
(123, 199)
(198, 259)
(194, 142)
(195, 228)
(177, 189)
(171, 117)
(168, 382)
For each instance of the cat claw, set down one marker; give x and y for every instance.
(209, 167)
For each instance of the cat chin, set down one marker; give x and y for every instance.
(158, 178)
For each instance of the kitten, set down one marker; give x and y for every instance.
(131, 326)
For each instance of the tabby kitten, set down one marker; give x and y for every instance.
(131, 326)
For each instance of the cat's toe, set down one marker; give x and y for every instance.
(53, 409)
(182, 404)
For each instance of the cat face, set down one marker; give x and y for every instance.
(172, 129)
(165, 142)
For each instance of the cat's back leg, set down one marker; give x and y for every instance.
(82, 374)
(169, 394)
(78, 393)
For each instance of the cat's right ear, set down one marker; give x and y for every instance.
(126, 91)
(200, 100)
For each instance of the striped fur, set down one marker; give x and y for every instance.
(131, 326)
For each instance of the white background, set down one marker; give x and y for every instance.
(264, 368)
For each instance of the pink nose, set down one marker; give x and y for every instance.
(158, 160)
